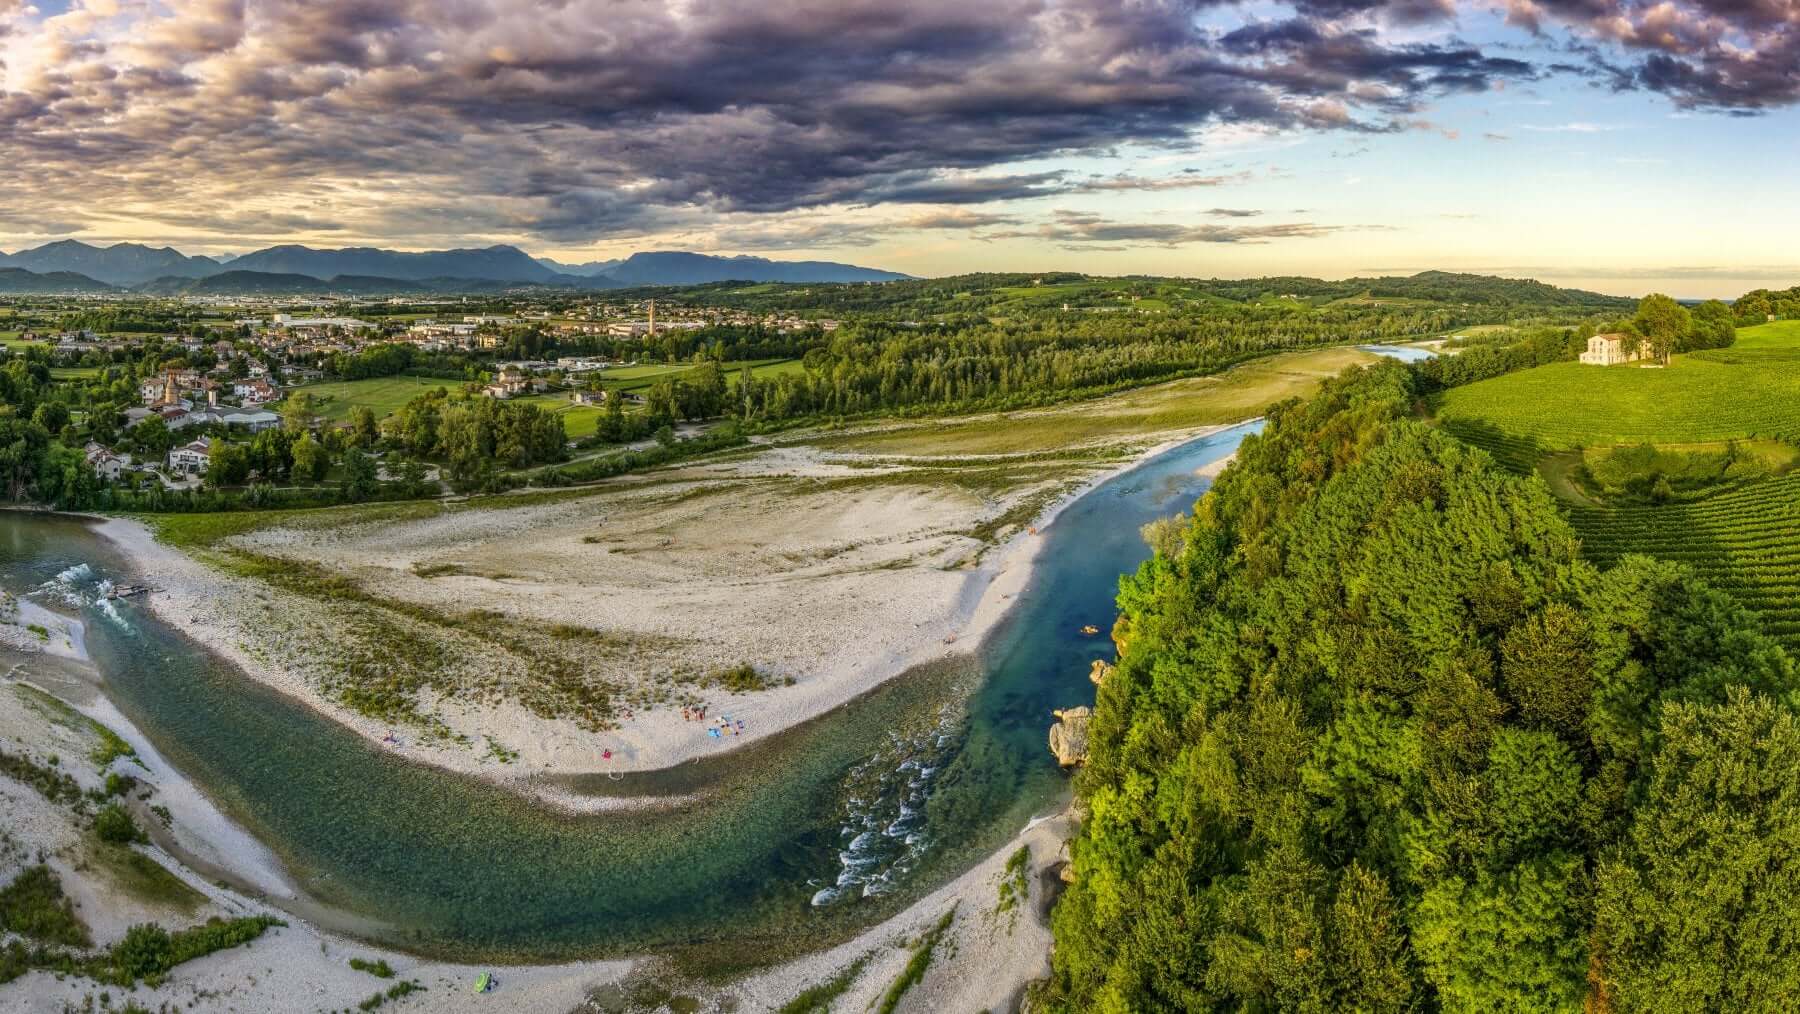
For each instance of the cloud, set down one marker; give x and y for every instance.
(1076, 229)
(578, 120)
(582, 119)
(1577, 127)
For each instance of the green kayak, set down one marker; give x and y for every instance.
(484, 983)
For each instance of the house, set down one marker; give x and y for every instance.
(588, 397)
(510, 382)
(191, 459)
(254, 392)
(1613, 349)
(105, 463)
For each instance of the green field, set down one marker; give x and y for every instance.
(1779, 334)
(334, 401)
(1568, 405)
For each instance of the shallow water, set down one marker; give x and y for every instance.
(1404, 353)
(804, 837)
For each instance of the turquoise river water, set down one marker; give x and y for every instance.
(802, 839)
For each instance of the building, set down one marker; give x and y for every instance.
(254, 392)
(191, 459)
(511, 381)
(347, 323)
(588, 397)
(105, 463)
(1612, 349)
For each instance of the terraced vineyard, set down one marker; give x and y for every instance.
(1745, 541)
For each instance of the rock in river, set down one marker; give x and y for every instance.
(1069, 736)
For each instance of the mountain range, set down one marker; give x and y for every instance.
(164, 270)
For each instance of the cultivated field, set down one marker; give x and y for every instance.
(1567, 405)
(1741, 540)
(1740, 536)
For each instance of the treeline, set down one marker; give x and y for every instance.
(882, 367)
(1758, 305)
(1482, 357)
(1379, 739)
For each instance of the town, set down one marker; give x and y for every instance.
(242, 368)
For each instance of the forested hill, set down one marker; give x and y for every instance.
(1379, 739)
(1053, 291)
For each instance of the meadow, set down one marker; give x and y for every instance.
(1567, 405)
(1233, 396)
(334, 400)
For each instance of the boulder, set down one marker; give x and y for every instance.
(1069, 736)
(1101, 670)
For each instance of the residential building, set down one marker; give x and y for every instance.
(254, 392)
(191, 459)
(104, 462)
(1614, 349)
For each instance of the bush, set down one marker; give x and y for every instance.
(114, 826)
(379, 969)
(34, 906)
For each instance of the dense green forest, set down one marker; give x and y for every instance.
(1380, 739)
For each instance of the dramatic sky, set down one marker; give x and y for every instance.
(1625, 145)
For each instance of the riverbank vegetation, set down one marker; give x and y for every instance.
(1380, 738)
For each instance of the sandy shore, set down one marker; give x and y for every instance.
(854, 625)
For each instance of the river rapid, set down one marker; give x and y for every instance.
(799, 841)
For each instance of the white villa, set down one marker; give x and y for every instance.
(1610, 350)
(191, 458)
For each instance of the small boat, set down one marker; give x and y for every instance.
(484, 982)
(1090, 630)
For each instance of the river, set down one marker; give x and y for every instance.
(802, 839)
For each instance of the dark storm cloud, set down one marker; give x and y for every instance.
(1734, 56)
(583, 118)
(591, 117)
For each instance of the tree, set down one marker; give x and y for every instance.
(1714, 326)
(360, 480)
(1374, 723)
(1696, 909)
(298, 412)
(310, 459)
(363, 426)
(230, 464)
(1664, 323)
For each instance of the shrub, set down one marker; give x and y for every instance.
(114, 826)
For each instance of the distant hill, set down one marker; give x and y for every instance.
(585, 270)
(496, 263)
(20, 282)
(234, 283)
(131, 264)
(671, 267)
(1451, 287)
(121, 264)
(279, 283)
